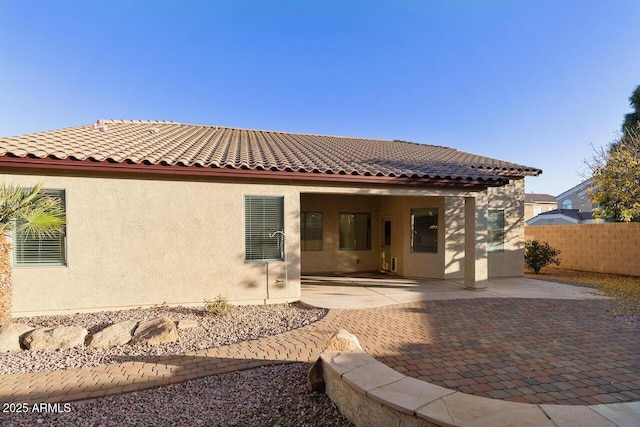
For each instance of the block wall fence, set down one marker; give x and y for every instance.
(603, 248)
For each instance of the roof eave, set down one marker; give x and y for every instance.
(48, 163)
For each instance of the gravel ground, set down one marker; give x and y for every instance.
(273, 395)
(242, 324)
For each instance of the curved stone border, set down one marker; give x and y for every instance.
(369, 393)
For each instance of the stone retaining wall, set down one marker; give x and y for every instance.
(371, 394)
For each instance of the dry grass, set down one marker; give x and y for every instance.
(625, 289)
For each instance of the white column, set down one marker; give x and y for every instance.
(475, 239)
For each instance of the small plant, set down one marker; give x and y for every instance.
(218, 307)
(540, 254)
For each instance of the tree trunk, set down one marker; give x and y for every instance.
(6, 282)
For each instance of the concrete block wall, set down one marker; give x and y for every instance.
(603, 248)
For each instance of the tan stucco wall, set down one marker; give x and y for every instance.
(133, 242)
(530, 208)
(448, 262)
(409, 263)
(331, 258)
(397, 209)
(510, 262)
(137, 242)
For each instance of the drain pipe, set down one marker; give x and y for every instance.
(283, 254)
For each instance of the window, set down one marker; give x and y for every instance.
(264, 228)
(537, 210)
(311, 231)
(30, 250)
(567, 204)
(424, 230)
(495, 230)
(355, 231)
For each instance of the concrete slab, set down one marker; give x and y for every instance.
(378, 290)
(522, 287)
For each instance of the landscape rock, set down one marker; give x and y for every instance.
(10, 335)
(343, 340)
(62, 337)
(187, 324)
(117, 334)
(155, 331)
(315, 377)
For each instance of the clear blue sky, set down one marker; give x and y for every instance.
(534, 82)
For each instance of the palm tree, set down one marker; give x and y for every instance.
(28, 211)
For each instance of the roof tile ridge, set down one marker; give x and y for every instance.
(128, 121)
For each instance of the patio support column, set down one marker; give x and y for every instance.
(475, 239)
(454, 244)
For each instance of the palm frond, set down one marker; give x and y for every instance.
(30, 211)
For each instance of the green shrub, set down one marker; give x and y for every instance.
(540, 254)
(218, 307)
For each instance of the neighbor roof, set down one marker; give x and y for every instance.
(539, 198)
(129, 143)
(571, 213)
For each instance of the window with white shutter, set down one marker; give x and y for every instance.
(33, 251)
(264, 228)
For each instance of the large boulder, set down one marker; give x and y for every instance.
(343, 340)
(155, 331)
(62, 337)
(11, 334)
(117, 334)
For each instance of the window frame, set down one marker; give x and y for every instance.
(17, 246)
(412, 214)
(248, 237)
(368, 245)
(303, 231)
(496, 246)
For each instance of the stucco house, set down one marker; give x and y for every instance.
(537, 203)
(573, 206)
(170, 213)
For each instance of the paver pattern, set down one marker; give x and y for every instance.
(528, 350)
(524, 350)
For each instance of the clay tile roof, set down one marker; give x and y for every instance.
(170, 143)
(572, 213)
(539, 198)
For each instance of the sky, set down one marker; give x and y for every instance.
(540, 83)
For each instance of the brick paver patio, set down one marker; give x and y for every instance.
(529, 350)
(524, 350)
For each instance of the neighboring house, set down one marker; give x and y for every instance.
(169, 213)
(573, 207)
(535, 204)
(577, 198)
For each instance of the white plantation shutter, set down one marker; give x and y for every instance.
(263, 216)
(36, 251)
